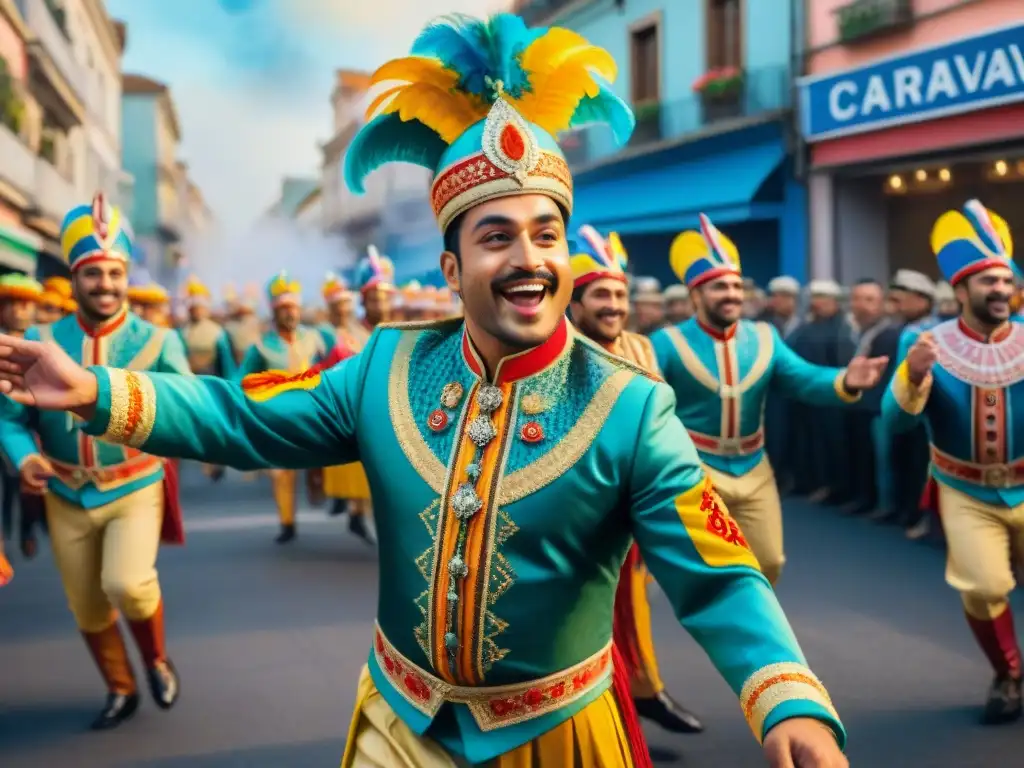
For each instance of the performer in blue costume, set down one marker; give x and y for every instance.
(105, 503)
(722, 369)
(964, 379)
(493, 640)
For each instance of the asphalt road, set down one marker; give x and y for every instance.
(269, 641)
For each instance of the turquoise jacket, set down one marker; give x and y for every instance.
(90, 472)
(208, 347)
(504, 508)
(722, 381)
(972, 404)
(274, 353)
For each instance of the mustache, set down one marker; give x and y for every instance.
(610, 313)
(997, 297)
(729, 303)
(520, 275)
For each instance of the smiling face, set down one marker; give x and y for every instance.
(602, 309)
(721, 301)
(986, 296)
(512, 272)
(100, 288)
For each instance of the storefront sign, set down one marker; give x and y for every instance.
(969, 74)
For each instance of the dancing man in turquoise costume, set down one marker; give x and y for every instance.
(501, 532)
(964, 378)
(287, 349)
(105, 503)
(722, 368)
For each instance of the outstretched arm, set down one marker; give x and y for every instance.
(225, 356)
(806, 382)
(701, 560)
(904, 402)
(274, 421)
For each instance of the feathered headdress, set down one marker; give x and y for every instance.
(335, 288)
(95, 232)
(375, 271)
(972, 240)
(152, 295)
(697, 257)
(196, 292)
(283, 289)
(479, 103)
(595, 258)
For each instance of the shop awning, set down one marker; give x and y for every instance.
(722, 185)
(19, 249)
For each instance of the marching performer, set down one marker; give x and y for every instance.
(104, 503)
(152, 303)
(50, 307)
(346, 485)
(721, 366)
(62, 287)
(243, 326)
(600, 309)
(511, 462)
(206, 342)
(964, 378)
(287, 349)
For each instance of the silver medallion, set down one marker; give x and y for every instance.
(489, 398)
(465, 502)
(457, 567)
(481, 431)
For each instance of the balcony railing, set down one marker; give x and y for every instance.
(55, 195)
(19, 164)
(762, 91)
(53, 40)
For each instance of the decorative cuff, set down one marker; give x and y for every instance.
(785, 690)
(841, 393)
(125, 407)
(911, 397)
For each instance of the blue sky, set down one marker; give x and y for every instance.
(251, 79)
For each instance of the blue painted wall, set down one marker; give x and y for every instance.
(139, 158)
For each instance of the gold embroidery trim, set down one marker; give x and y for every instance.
(150, 351)
(690, 361)
(765, 350)
(910, 398)
(571, 448)
(132, 408)
(841, 393)
(775, 684)
(497, 706)
(403, 420)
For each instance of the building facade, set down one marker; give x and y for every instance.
(710, 83)
(394, 215)
(909, 108)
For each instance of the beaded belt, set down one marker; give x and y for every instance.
(492, 706)
(104, 478)
(987, 475)
(727, 446)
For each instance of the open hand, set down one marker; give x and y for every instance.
(864, 372)
(803, 742)
(921, 357)
(43, 376)
(35, 474)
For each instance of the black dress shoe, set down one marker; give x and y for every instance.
(287, 534)
(357, 526)
(163, 684)
(338, 508)
(119, 707)
(668, 713)
(1004, 701)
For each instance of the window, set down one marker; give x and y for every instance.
(725, 33)
(646, 60)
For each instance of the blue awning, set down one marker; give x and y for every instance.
(722, 185)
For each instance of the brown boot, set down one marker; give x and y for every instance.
(111, 657)
(163, 678)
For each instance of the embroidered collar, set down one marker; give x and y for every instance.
(715, 333)
(522, 364)
(967, 356)
(288, 337)
(999, 334)
(105, 328)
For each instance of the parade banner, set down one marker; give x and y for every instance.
(965, 75)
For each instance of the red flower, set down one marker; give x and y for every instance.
(532, 432)
(534, 697)
(438, 420)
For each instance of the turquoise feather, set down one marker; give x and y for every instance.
(389, 139)
(608, 108)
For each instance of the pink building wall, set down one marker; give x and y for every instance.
(949, 20)
(12, 49)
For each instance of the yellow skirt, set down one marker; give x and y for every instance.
(346, 481)
(592, 738)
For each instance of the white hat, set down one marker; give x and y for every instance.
(677, 292)
(944, 292)
(913, 281)
(784, 284)
(828, 288)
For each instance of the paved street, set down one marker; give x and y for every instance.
(269, 641)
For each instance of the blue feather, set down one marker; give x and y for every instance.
(608, 108)
(389, 139)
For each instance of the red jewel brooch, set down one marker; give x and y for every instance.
(438, 420)
(532, 432)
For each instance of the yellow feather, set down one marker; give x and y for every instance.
(952, 225)
(558, 45)
(688, 248)
(449, 114)
(552, 102)
(383, 96)
(416, 69)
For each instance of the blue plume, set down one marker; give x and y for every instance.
(389, 139)
(480, 51)
(608, 108)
